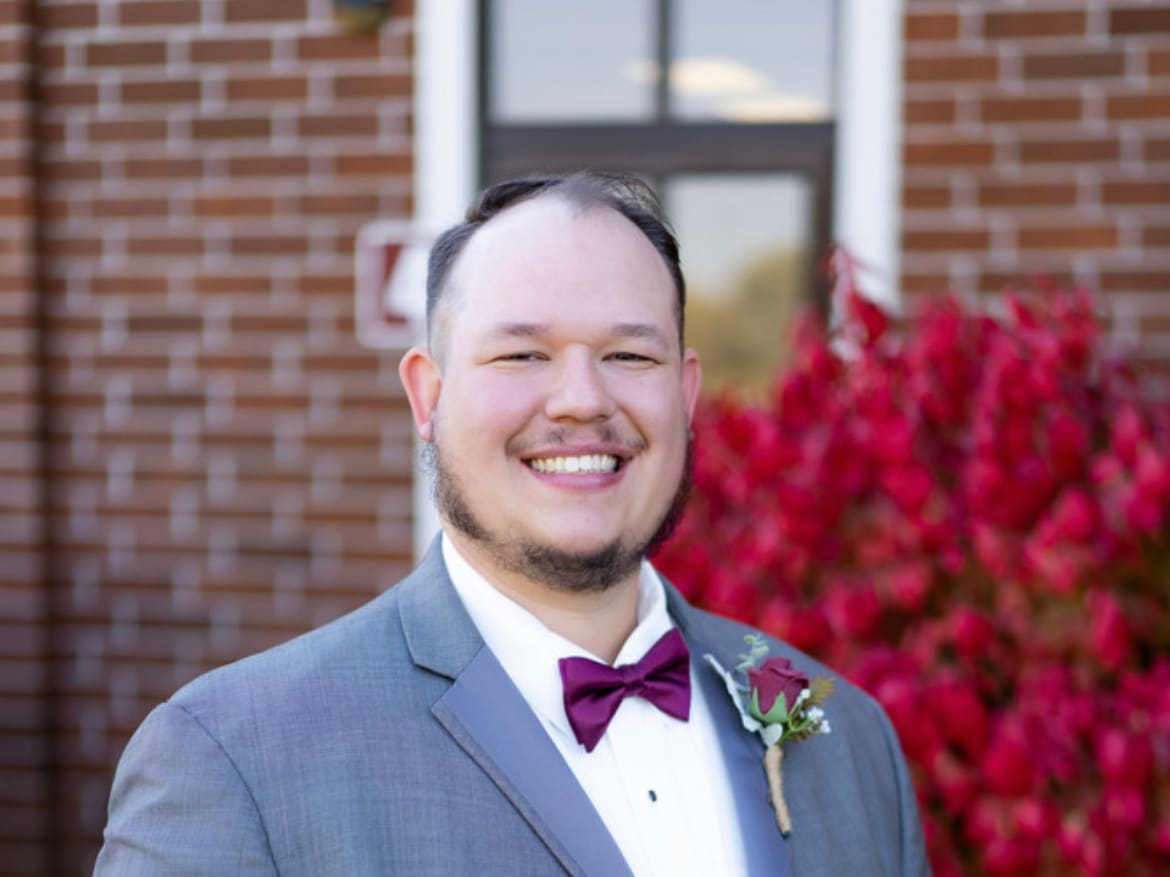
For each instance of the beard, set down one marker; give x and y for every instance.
(559, 569)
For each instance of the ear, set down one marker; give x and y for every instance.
(692, 380)
(422, 379)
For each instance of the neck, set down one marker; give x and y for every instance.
(597, 621)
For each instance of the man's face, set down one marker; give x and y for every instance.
(560, 412)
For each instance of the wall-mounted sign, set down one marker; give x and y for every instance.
(390, 274)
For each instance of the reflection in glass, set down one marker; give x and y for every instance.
(746, 246)
(752, 61)
(570, 62)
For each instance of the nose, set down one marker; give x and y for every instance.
(579, 391)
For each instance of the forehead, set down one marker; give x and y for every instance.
(547, 259)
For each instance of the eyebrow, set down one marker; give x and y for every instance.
(647, 331)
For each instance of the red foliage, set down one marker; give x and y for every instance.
(970, 517)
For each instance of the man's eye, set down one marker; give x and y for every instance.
(519, 356)
(627, 356)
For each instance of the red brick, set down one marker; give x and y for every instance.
(269, 245)
(238, 128)
(1031, 109)
(13, 89)
(1086, 150)
(1140, 21)
(125, 54)
(167, 91)
(1156, 236)
(946, 239)
(335, 125)
(164, 246)
(1082, 236)
(268, 166)
(237, 11)
(110, 284)
(125, 207)
(234, 284)
(1136, 192)
(325, 284)
(117, 130)
(15, 129)
(953, 67)
(1147, 105)
(927, 26)
(926, 196)
(267, 88)
(171, 322)
(1158, 62)
(1157, 149)
(356, 204)
(68, 15)
(163, 168)
(233, 205)
(230, 51)
(347, 47)
(156, 12)
(50, 56)
(999, 281)
(373, 85)
(373, 164)
(13, 51)
(932, 111)
(1024, 194)
(14, 206)
(79, 247)
(72, 170)
(1055, 23)
(1152, 280)
(1075, 65)
(69, 93)
(971, 153)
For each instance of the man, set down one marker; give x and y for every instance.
(430, 732)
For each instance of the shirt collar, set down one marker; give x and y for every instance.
(529, 651)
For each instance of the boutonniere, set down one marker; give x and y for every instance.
(780, 704)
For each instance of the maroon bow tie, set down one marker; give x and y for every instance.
(594, 691)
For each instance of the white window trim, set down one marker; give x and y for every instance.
(867, 170)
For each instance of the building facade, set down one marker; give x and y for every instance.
(199, 458)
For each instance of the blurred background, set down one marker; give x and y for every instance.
(204, 447)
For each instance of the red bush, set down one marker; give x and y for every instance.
(969, 517)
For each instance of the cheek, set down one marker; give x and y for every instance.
(487, 408)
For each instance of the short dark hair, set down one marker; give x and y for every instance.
(624, 193)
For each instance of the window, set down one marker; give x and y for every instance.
(728, 109)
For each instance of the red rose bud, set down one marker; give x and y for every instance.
(776, 678)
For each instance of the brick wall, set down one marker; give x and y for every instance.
(24, 671)
(1037, 141)
(226, 466)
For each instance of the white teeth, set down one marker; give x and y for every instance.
(585, 463)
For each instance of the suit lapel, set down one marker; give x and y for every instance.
(490, 720)
(766, 849)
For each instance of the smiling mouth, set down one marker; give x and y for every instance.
(583, 464)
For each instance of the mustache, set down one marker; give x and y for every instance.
(603, 434)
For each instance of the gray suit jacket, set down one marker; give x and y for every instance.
(391, 742)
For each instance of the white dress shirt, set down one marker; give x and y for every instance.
(659, 784)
